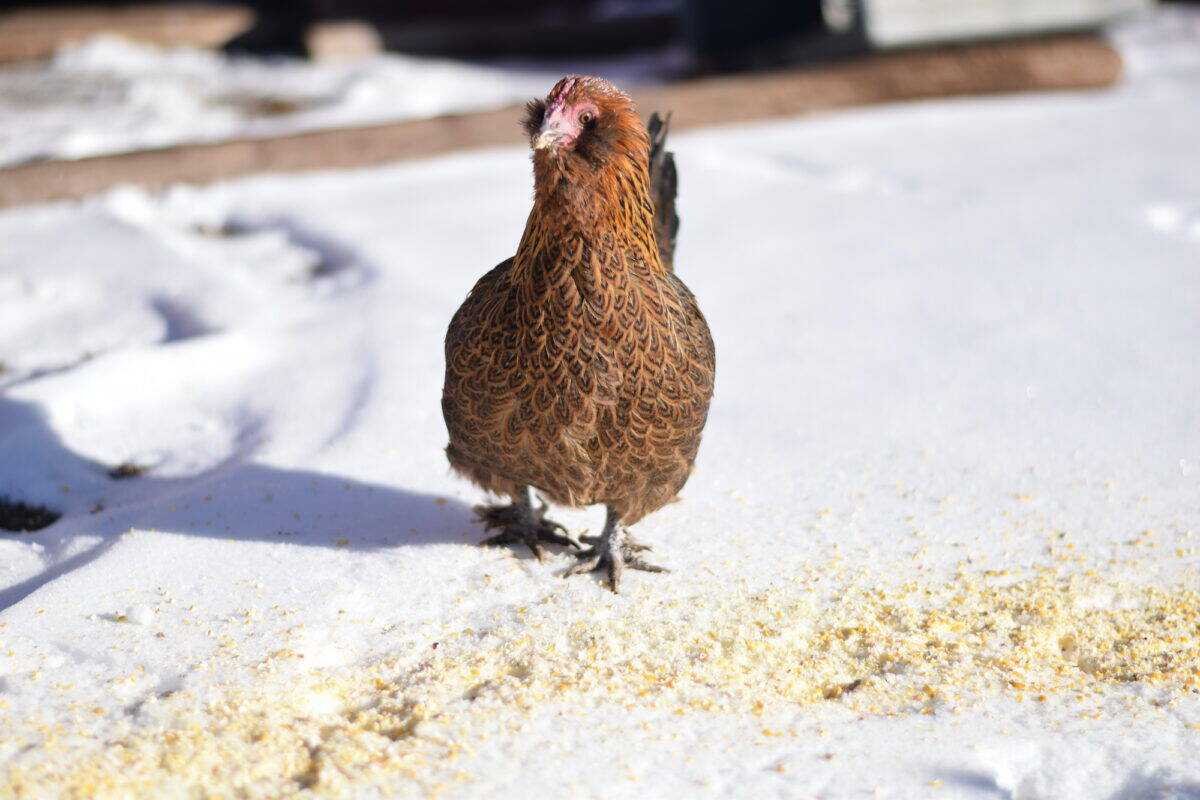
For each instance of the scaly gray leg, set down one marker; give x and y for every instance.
(523, 521)
(613, 550)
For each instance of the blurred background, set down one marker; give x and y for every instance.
(91, 80)
(704, 35)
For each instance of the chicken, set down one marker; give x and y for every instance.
(582, 367)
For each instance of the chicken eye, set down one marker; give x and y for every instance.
(586, 117)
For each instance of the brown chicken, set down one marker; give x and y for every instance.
(582, 366)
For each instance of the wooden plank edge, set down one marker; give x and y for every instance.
(1078, 61)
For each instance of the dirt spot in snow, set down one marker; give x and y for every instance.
(127, 469)
(23, 518)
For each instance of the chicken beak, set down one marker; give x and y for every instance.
(551, 134)
(545, 139)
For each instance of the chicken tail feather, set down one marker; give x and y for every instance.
(664, 186)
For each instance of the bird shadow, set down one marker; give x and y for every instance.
(1138, 786)
(238, 498)
(980, 783)
(1156, 786)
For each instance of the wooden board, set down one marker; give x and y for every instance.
(28, 33)
(1056, 63)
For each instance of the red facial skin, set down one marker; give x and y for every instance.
(563, 123)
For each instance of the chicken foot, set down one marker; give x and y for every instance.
(524, 521)
(613, 550)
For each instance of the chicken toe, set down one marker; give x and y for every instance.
(524, 521)
(612, 551)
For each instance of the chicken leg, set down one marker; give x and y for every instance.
(613, 550)
(523, 521)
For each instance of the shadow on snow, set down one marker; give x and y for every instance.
(238, 499)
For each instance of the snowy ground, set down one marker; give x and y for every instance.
(110, 96)
(941, 540)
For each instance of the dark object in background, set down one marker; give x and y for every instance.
(279, 28)
(721, 35)
(470, 28)
(725, 35)
(512, 28)
(720, 28)
(748, 34)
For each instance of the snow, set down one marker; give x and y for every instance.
(940, 541)
(109, 95)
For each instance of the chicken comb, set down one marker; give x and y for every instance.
(558, 98)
